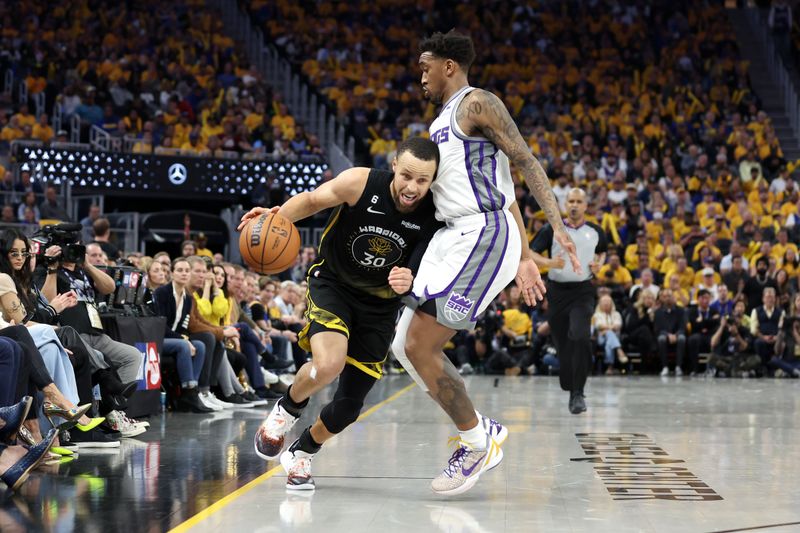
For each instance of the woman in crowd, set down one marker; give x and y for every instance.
(228, 310)
(784, 291)
(607, 325)
(790, 263)
(174, 302)
(218, 368)
(73, 372)
(639, 324)
(17, 305)
(166, 264)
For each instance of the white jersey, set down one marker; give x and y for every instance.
(474, 176)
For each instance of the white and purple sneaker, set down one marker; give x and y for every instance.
(465, 467)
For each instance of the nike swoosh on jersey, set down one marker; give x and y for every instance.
(375, 212)
(468, 232)
(468, 471)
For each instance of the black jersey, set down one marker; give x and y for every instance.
(362, 243)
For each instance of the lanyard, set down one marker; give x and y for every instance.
(82, 286)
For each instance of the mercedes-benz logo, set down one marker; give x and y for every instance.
(177, 174)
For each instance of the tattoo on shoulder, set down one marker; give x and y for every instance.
(484, 112)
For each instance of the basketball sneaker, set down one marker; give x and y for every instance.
(297, 464)
(465, 467)
(495, 430)
(271, 434)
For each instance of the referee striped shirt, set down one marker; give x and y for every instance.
(589, 239)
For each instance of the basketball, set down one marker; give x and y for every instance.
(269, 244)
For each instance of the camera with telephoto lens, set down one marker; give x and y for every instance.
(67, 236)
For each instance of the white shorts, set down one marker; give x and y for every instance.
(466, 265)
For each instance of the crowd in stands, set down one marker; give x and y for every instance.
(656, 78)
(157, 77)
(228, 335)
(648, 107)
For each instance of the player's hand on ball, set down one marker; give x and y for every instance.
(529, 281)
(400, 280)
(563, 238)
(256, 212)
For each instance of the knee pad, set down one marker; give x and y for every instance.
(340, 413)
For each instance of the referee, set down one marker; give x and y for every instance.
(571, 296)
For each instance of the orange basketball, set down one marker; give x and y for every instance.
(269, 244)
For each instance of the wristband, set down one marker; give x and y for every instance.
(52, 271)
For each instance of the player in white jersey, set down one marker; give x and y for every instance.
(479, 251)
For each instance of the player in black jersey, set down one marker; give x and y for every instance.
(381, 219)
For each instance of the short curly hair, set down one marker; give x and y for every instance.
(451, 45)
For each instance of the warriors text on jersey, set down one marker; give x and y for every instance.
(362, 243)
(474, 175)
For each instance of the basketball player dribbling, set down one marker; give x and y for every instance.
(381, 221)
(479, 251)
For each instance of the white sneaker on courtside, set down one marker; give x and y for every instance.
(271, 434)
(222, 403)
(206, 400)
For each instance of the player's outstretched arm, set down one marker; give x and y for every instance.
(346, 188)
(485, 112)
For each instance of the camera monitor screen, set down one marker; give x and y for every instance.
(128, 281)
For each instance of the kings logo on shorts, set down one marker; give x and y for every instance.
(457, 307)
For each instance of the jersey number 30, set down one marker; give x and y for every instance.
(373, 261)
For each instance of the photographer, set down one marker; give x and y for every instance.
(515, 356)
(67, 271)
(486, 332)
(729, 344)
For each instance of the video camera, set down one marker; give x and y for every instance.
(67, 236)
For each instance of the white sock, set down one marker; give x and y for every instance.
(475, 438)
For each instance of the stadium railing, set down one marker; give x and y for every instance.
(300, 98)
(757, 20)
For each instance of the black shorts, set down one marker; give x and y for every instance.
(367, 321)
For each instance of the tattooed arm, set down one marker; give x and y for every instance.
(12, 307)
(484, 113)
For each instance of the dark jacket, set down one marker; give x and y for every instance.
(705, 323)
(670, 321)
(165, 305)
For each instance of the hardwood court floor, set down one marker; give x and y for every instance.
(669, 455)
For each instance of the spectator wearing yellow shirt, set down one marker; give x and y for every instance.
(12, 131)
(721, 229)
(642, 244)
(783, 244)
(181, 130)
(764, 250)
(790, 262)
(42, 130)
(286, 121)
(194, 145)
(381, 148)
(681, 294)
(24, 118)
(674, 252)
(202, 242)
(684, 272)
(708, 282)
(254, 119)
(614, 275)
(144, 145)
